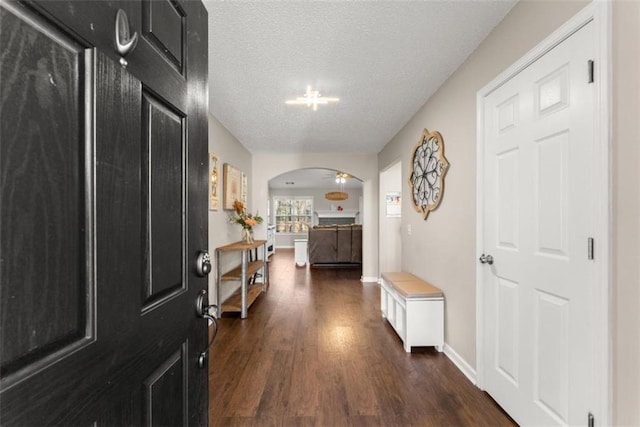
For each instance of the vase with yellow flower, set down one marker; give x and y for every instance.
(246, 220)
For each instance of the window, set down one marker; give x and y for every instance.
(293, 214)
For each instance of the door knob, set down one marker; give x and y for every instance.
(203, 263)
(203, 309)
(486, 259)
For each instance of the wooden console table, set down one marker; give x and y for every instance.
(242, 300)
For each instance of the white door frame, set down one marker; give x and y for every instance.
(598, 12)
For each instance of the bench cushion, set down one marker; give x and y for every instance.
(417, 289)
(398, 276)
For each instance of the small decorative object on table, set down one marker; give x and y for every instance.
(246, 220)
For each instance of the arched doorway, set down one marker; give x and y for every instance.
(319, 197)
(364, 166)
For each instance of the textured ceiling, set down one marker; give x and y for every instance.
(383, 59)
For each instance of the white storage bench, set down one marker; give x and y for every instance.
(414, 308)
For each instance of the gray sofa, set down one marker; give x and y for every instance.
(335, 244)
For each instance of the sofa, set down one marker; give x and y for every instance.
(335, 244)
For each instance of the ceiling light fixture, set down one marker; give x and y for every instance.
(341, 178)
(312, 98)
(336, 195)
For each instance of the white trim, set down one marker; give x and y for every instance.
(603, 348)
(599, 12)
(586, 15)
(479, 238)
(372, 279)
(460, 363)
(337, 214)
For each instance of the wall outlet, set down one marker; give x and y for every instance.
(408, 229)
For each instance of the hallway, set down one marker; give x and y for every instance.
(315, 351)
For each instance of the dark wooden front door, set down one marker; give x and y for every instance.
(103, 188)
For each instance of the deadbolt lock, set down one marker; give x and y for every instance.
(203, 263)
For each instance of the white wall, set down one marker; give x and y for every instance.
(442, 248)
(230, 151)
(361, 166)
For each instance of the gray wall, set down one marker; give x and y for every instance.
(230, 151)
(626, 212)
(390, 232)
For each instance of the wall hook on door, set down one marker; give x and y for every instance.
(125, 43)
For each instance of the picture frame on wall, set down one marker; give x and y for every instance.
(244, 190)
(214, 182)
(232, 186)
(393, 203)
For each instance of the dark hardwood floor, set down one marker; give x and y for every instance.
(315, 351)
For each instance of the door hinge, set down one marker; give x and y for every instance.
(591, 71)
(590, 248)
(590, 420)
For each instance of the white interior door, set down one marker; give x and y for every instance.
(538, 217)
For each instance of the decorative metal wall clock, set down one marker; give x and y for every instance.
(428, 167)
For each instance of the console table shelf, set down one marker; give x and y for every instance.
(242, 299)
(234, 303)
(236, 274)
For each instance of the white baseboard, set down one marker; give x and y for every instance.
(369, 279)
(462, 364)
